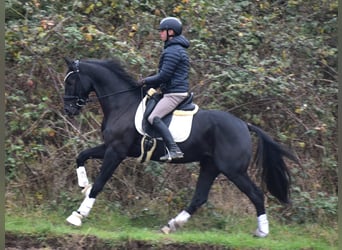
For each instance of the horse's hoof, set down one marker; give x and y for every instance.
(86, 190)
(171, 227)
(75, 219)
(166, 230)
(259, 233)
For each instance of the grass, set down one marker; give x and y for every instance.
(115, 228)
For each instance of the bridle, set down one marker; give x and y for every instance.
(80, 102)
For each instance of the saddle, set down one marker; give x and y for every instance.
(179, 121)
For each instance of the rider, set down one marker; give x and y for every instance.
(172, 79)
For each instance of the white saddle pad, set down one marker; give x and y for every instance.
(180, 125)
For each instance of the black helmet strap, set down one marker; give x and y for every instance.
(167, 34)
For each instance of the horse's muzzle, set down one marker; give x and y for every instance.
(73, 105)
(72, 109)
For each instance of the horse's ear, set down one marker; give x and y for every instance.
(68, 61)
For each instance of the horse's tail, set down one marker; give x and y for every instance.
(269, 156)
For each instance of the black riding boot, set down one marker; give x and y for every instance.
(174, 151)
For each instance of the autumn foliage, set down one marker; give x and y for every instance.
(271, 63)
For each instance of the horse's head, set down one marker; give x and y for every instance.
(77, 88)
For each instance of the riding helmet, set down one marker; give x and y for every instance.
(171, 23)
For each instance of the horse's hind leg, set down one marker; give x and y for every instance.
(91, 153)
(207, 175)
(245, 184)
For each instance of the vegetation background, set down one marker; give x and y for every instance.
(270, 62)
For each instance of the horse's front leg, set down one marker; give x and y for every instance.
(91, 153)
(111, 160)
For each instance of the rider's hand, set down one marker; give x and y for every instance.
(141, 82)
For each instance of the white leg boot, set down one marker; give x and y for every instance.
(176, 223)
(82, 176)
(76, 217)
(86, 206)
(263, 228)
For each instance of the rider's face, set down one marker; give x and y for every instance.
(163, 35)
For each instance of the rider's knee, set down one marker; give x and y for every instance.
(153, 119)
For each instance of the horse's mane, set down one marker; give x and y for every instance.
(117, 67)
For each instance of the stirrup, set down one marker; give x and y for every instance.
(177, 155)
(172, 155)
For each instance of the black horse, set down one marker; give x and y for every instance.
(219, 141)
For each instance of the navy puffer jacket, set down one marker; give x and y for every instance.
(173, 67)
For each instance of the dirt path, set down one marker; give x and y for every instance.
(78, 242)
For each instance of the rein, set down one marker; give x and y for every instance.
(116, 93)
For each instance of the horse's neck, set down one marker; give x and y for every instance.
(117, 97)
(121, 106)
